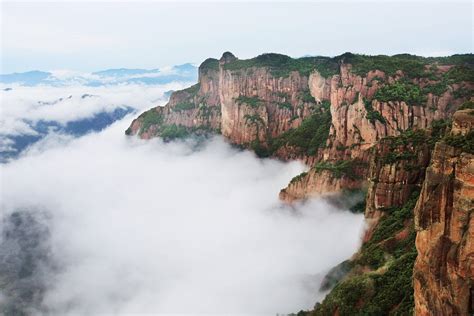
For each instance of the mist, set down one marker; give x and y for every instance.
(133, 226)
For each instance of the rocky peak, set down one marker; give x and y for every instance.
(227, 57)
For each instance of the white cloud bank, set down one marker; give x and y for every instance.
(142, 226)
(65, 104)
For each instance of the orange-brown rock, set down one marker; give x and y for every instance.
(444, 268)
(251, 104)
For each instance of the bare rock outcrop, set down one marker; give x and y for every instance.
(444, 268)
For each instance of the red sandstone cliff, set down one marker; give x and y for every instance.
(380, 143)
(252, 105)
(444, 268)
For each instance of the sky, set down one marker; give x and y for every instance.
(90, 35)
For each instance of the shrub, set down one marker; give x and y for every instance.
(253, 119)
(149, 118)
(209, 64)
(184, 106)
(439, 128)
(298, 177)
(306, 97)
(285, 105)
(282, 65)
(437, 89)
(339, 168)
(386, 292)
(392, 157)
(460, 73)
(253, 102)
(410, 137)
(170, 132)
(464, 142)
(193, 90)
(412, 66)
(467, 105)
(308, 137)
(373, 115)
(399, 91)
(463, 92)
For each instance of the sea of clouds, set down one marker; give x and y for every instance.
(109, 224)
(24, 107)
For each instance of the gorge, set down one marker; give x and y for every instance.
(395, 129)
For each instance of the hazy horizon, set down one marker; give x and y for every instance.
(52, 36)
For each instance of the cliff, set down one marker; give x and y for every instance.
(444, 268)
(363, 124)
(320, 110)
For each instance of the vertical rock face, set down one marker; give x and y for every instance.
(444, 219)
(274, 105)
(358, 122)
(397, 167)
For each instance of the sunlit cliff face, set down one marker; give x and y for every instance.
(143, 226)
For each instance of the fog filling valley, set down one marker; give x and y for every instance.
(106, 223)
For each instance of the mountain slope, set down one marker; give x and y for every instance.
(360, 123)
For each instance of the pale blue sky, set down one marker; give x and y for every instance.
(88, 36)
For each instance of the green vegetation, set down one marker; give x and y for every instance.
(282, 65)
(282, 95)
(193, 90)
(174, 131)
(285, 105)
(260, 150)
(392, 157)
(167, 132)
(335, 275)
(401, 91)
(460, 73)
(205, 111)
(209, 64)
(412, 66)
(439, 128)
(404, 146)
(356, 194)
(298, 177)
(308, 137)
(373, 115)
(253, 102)
(253, 119)
(382, 292)
(341, 168)
(184, 106)
(170, 132)
(437, 89)
(463, 92)
(468, 105)
(149, 118)
(306, 97)
(464, 142)
(352, 199)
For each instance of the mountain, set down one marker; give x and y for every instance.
(396, 129)
(186, 72)
(29, 78)
(18, 143)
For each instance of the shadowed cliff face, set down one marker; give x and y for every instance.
(444, 269)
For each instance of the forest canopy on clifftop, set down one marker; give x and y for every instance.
(411, 65)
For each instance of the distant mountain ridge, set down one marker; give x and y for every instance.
(184, 72)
